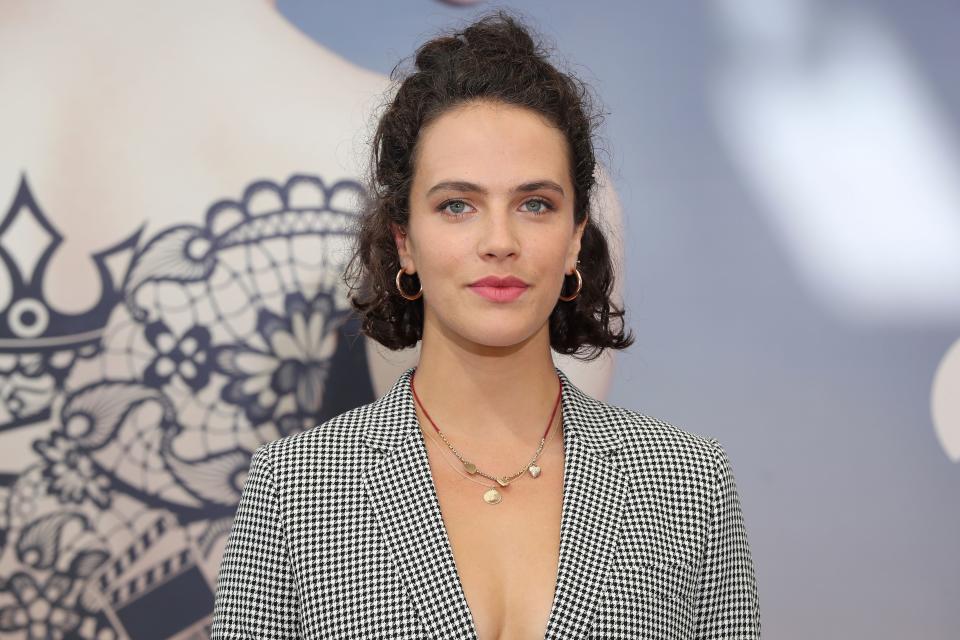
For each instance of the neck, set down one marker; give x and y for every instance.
(488, 399)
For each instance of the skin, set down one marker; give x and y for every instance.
(485, 371)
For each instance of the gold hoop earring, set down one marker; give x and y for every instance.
(400, 289)
(576, 272)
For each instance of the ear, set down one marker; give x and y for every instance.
(575, 243)
(402, 239)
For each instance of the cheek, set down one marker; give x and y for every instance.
(550, 255)
(442, 259)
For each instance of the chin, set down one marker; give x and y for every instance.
(501, 337)
(486, 328)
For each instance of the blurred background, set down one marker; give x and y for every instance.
(177, 185)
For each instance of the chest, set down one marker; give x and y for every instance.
(506, 554)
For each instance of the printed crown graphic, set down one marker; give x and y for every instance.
(28, 322)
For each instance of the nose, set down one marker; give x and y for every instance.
(498, 235)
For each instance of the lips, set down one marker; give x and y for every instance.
(499, 289)
(497, 281)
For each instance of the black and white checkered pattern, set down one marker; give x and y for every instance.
(339, 534)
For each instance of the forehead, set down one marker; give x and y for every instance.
(494, 144)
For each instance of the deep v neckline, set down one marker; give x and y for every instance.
(461, 592)
(403, 499)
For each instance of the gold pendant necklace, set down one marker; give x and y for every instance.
(493, 496)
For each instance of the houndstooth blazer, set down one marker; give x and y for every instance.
(339, 534)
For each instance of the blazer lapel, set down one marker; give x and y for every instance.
(404, 501)
(594, 494)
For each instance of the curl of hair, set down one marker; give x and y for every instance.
(494, 58)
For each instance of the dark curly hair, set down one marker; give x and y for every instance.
(494, 58)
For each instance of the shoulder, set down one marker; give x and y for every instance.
(655, 445)
(334, 443)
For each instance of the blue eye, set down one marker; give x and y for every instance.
(458, 208)
(452, 208)
(543, 207)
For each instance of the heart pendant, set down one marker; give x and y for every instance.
(502, 482)
(534, 470)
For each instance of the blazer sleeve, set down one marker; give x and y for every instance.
(727, 607)
(256, 593)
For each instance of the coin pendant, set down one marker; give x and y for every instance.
(470, 467)
(492, 497)
(534, 470)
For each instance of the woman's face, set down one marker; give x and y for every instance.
(491, 196)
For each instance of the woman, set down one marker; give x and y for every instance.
(485, 495)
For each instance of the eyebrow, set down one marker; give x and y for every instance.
(463, 186)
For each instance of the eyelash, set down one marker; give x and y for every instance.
(547, 207)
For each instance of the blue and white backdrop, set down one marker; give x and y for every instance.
(178, 182)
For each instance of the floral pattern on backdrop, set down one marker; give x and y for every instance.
(144, 411)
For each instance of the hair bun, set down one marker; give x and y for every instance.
(500, 33)
(436, 51)
(494, 37)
